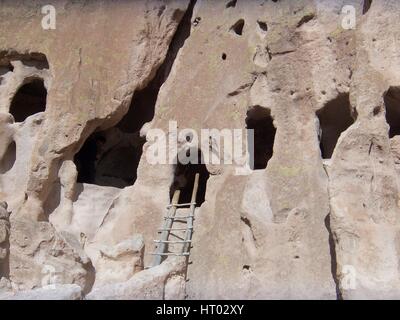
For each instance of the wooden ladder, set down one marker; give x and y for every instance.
(173, 224)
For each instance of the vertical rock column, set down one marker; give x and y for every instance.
(4, 241)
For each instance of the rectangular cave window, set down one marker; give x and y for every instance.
(334, 118)
(184, 175)
(260, 120)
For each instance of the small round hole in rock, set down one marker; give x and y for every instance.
(231, 4)
(376, 110)
(263, 26)
(196, 21)
(238, 27)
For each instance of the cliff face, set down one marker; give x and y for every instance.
(317, 216)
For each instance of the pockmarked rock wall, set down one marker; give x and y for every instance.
(81, 105)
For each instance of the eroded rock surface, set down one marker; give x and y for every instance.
(52, 292)
(166, 281)
(4, 246)
(317, 216)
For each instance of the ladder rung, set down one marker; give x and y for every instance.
(173, 241)
(176, 229)
(169, 254)
(177, 218)
(180, 205)
(176, 236)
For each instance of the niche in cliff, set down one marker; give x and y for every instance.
(260, 120)
(184, 178)
(110, 158)
(29, 100)
(392, 104)
(334, 118)
(237, 28)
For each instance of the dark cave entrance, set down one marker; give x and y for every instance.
(184, 176)
(392, 104)
(29, 100)
(334, 118)
(110, 158)
(260, 120)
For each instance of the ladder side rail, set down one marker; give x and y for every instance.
(189, 232)
(161, 248)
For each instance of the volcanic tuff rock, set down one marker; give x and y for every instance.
(318, 215)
